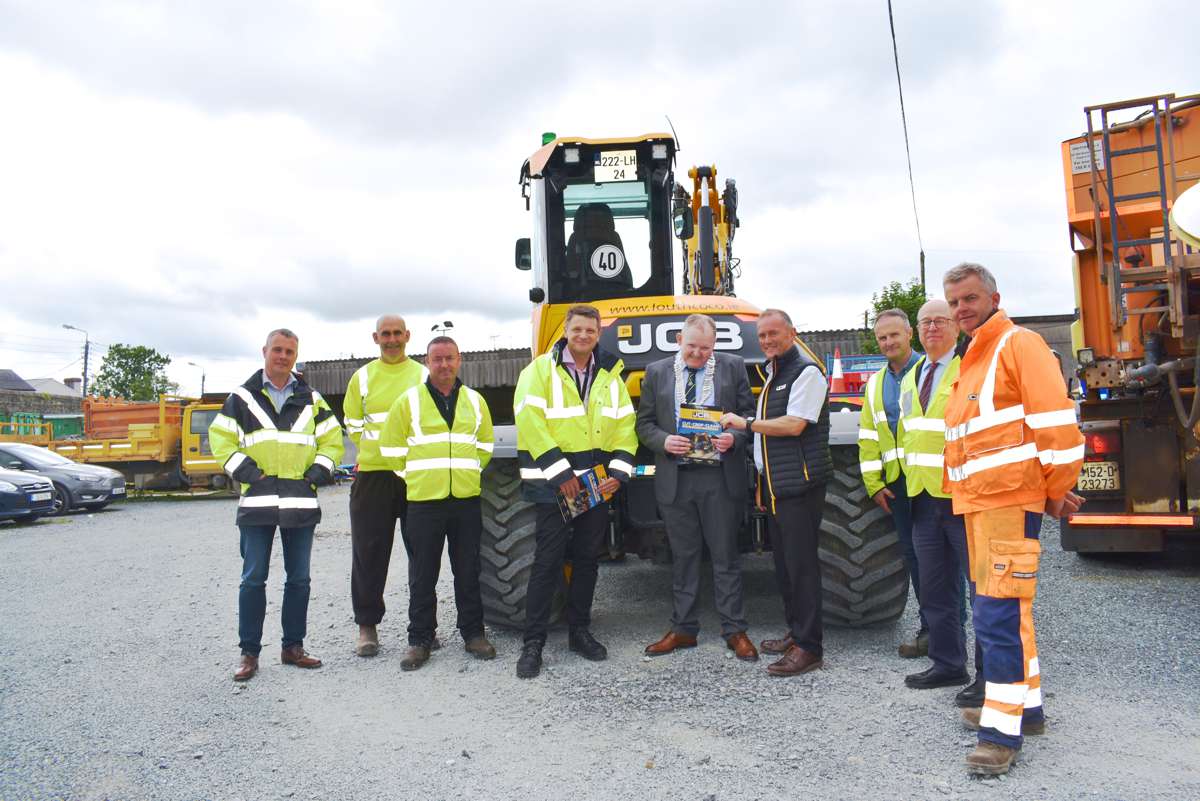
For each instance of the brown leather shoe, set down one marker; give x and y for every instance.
(1029, 728)
(480, 648)
(296, 655)
(915, 648)
(671, 641)
(990, 759)
(778, 646)
(794, 662)
(741, 646)
(416, 656)
(247, 668)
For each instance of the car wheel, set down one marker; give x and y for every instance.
(62, 500)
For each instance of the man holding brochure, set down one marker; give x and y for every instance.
(700, 477)
(573, 414)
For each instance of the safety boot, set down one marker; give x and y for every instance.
(368, 641)
(915, 648)
(990, 759)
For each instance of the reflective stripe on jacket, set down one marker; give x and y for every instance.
(437, 461)
(558, 435)
(922, 432)
(370, 393)
(268, 452)
(878, 453)
(1011, 433)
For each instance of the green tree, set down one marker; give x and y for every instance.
(134, 372)
(909, 297)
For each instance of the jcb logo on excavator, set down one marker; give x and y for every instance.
(641, 337)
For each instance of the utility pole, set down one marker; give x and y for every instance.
(86, 352)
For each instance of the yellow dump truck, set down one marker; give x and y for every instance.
(156, 445)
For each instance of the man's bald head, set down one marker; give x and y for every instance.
(936, 328)
(391, 335)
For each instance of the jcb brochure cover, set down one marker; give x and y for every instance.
(587, 497)
(700, 424)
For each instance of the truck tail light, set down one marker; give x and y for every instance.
(1099, 443)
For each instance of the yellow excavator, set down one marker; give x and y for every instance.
(606, 216)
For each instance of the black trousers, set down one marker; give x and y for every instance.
(794, 528)
(377, 499)
(430, 525)
(580, 541)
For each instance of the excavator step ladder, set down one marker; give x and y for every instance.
(1167, 280)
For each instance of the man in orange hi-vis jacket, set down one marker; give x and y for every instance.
(1013, 453)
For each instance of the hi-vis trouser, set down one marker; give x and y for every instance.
(1003, 548)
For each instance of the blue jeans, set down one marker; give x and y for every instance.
(252, 594)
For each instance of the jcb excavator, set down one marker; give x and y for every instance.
(605, 212)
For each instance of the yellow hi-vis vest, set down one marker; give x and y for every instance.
(437, 461)
(922, 432)
(371, 392)
(879, 455)
(558, 435)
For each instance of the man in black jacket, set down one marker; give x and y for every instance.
(791, 452)
(701, 503)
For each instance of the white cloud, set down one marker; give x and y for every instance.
(188, 177)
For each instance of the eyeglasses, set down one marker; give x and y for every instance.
(936, 322)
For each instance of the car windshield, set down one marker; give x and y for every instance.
(40, 457)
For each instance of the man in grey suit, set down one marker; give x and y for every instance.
(700, 504)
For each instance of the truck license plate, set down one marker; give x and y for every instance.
(1100, 477)
(40, 496)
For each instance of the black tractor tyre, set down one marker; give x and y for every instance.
(507, 547)
(863, 575)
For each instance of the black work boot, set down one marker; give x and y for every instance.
(971, 695)
(583, 643)
(530, 662)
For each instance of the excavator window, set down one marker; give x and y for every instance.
(607, 238)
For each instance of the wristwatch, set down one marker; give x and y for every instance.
(750, 423)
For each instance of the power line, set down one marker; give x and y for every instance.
(907, 151)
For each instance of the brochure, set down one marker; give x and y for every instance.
(589, 496)
(700, 423)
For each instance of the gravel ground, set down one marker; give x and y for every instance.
(119, 641)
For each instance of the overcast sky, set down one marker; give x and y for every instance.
(190, 175)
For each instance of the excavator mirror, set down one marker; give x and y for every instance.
(523, 257)
(681, 213)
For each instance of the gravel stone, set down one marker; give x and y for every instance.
(145, 594)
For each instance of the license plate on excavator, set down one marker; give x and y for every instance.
(1099, 477)
(615, 165)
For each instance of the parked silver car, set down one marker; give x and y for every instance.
(75, 485)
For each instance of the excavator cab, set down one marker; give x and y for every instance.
(602, 218)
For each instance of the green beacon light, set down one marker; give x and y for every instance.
(548, 137)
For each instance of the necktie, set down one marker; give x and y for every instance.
(927, 386)
(689, 389)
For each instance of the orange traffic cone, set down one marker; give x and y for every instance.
(837, 381)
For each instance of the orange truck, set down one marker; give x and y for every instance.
(156, 445)
(1137, 293)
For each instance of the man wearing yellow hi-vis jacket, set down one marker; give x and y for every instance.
(880, 456)
(1013, 453)
(438, 436)
(939, 537)
(573, 413)
(278, 438)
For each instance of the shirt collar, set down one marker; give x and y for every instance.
(291, 382)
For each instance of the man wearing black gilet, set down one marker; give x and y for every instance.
(791, 452)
